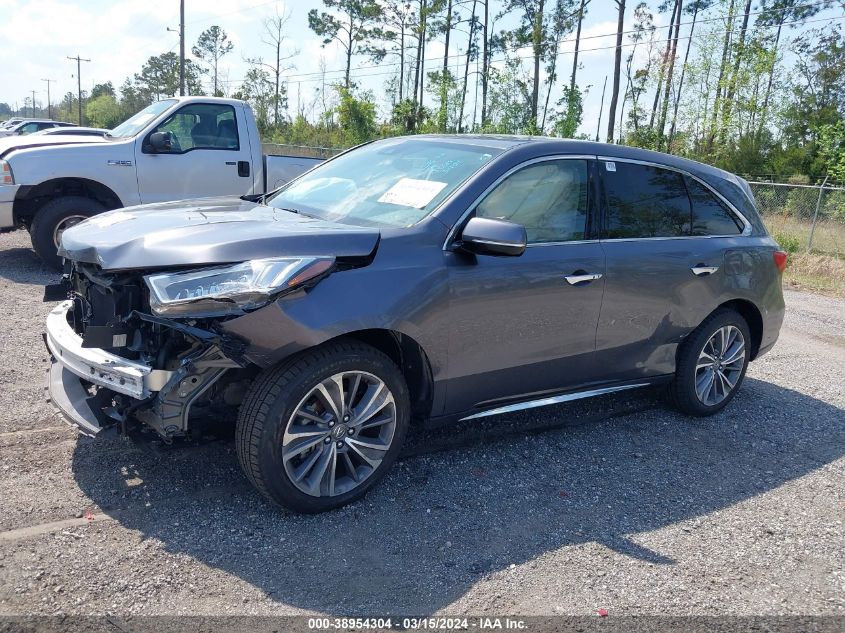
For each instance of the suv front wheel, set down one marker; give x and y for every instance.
(711, 364)
(319, 431)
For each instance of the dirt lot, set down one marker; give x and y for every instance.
(616, 503)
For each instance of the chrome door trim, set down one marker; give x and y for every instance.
(542, 402)
(745, 231)
(495, 243)
(703, 270)
(577, 279)
(451, 236)
(561, 243)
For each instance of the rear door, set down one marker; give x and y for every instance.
(209, 155)
(663, 272)
(526, 325)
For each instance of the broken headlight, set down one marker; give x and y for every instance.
(230, 289)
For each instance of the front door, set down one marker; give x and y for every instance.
(209, 156)
(525, 326)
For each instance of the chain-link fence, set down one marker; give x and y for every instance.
(280, 149)
(803, 217)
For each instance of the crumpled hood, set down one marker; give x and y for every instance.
(207, 231)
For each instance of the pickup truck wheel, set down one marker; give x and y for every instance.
(53, 218)
(318, 432)
(711, 364)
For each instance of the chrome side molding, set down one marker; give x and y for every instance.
(543, 402)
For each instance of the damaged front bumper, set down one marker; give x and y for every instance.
(72, 364)
(84, 383)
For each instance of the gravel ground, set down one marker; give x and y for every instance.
(615, 503)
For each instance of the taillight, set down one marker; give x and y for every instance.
(6, 177)
(780, 259)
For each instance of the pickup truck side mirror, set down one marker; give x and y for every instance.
(489, 236)
(160, 142)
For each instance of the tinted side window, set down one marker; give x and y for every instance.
(709, 215)
(548, 198)
(644, 201)
(201, 126)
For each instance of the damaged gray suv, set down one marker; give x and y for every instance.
(421, 279)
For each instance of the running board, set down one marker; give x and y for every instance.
(543, 402)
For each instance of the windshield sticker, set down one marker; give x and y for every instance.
(110, 219)
(410, 192)
(610, 166)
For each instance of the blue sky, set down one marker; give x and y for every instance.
(119, 35)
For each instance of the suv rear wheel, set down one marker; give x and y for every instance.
(53, 218)
(318, 432)
(711, 364)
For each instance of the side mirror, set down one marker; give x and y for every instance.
(160, 142)
(487, 236)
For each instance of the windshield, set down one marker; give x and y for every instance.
(138, 122)
(395, 183)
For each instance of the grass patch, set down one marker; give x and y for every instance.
(828, 239)
(823, 270)
(819, 273)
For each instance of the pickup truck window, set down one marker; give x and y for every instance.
(395, 182)
(201, 126)
(137, 122)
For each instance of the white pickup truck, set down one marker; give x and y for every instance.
(185, 147)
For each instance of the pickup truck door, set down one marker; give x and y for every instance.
(209, 155)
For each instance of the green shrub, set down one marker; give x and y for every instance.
(801, 202)
(788, 242)
(834, 205)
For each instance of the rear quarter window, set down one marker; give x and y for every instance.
(710, 216)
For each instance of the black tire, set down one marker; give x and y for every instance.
(270, 403)
(50, 216)
(682, 390)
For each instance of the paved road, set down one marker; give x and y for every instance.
(616, 503)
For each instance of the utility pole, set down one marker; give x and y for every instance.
(181, 48)
(49, 106)
(79, 61)
(33, 104)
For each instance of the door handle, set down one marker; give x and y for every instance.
(701, 270)
(580, 277)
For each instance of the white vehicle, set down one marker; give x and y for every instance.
(31, 126)
(10, 122)
(79, 131)
(184, 147)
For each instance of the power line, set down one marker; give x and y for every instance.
(319, 75)
(721, 18)
(223, 15)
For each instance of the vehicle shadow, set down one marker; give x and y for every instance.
(21, 265)
(617, 466)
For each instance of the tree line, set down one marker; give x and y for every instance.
(754, 86)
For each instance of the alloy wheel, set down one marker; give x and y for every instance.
(339, 433)
(720, 365)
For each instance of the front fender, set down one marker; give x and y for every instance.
(410, 301)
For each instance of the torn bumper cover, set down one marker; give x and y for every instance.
(85, 383)
(72, 364)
